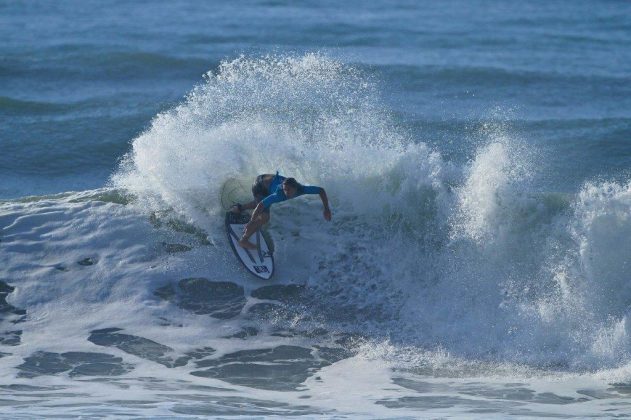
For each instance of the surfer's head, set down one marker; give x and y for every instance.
(291, 187)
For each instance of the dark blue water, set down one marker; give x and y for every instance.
(80, 79)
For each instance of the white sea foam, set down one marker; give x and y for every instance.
(441, 270)
(468, 258)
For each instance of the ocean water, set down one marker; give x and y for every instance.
(476, 155)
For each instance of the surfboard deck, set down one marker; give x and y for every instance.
(259, 262)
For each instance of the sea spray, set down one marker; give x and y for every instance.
(472, 260)
(310, 117)
(597, 269)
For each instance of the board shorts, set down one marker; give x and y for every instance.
(259, 191)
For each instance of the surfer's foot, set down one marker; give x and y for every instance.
(246, 244)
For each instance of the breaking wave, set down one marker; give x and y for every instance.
(467, 258)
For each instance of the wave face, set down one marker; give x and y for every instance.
(470, 259)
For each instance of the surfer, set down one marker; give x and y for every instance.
(269, 189)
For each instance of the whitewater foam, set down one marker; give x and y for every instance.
(428, 268)
(468, 258)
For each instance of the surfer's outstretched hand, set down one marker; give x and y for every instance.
(236, 208)
(327, 215)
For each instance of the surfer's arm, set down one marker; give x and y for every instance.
(249, 206)
(257, 211)
(310, 189)
(264, 204)
(238, 207)
(277, 197)
(325, 203)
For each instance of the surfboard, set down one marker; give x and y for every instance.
(259, 262)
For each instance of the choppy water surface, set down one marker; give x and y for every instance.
(476, 157)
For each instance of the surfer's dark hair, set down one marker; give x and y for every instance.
(291, 182)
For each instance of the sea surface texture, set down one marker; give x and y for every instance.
(476, 155)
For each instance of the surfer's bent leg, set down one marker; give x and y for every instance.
(260, 216)
(253, 225)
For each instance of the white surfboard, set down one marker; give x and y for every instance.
(260, 261)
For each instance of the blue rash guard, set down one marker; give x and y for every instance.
(277, 194)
